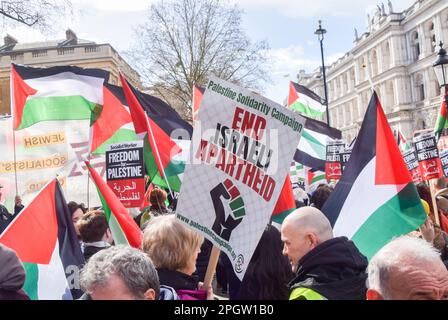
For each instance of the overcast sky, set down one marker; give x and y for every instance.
(287, 25)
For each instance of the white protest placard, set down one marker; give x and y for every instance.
(241, 152)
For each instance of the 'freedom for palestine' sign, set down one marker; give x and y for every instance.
(428, 156)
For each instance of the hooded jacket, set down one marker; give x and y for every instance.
(12, 276)
(335, 269)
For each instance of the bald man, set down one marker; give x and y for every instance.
(407, 268)
(326, 268)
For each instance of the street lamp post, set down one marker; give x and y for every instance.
(320, 32)
(441, 70)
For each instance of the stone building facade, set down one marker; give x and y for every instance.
(68, 51)
(397, 53)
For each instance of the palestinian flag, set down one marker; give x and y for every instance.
(305, 101)
(114, 125)
(314, 179)
(198, 92)
(285, 203)
(403, 144)
(312, 148)
(123, 227)
(441, 120)
(160, 149)
(45, 240)
(56, 93)
(376, 199)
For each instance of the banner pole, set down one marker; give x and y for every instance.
(434, 202)
(158, 156)
(211, 268)
(15, 159)
(88, 184)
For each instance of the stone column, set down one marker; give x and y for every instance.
(422, 41)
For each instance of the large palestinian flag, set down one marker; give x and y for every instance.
(45, 240)
(376, 199)
(312, 148)
(56, 93)
(153, 126)
(114, 124)
(123, 227)
(305, 101)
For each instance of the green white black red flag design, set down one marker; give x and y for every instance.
(56, 93)
(376, 170)
(305, 101)
(45, 240)
(123, 227)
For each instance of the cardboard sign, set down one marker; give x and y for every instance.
(444, 162)
(333, 164)
(410, 158)
(428, 156)
(125, 173)
(241, 152)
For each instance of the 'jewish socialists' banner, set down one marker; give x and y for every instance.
(44, 150)
(241, 152)
(124, 172)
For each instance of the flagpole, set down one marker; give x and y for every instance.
(158, 156)
(12, 107)
(15, 159)
(88, 184)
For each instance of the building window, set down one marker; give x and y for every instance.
(390, 92)
(416, 45)
(374, 65)
(386, 56)
(420, 86)
(432, 36)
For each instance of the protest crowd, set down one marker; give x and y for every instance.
(231, 223)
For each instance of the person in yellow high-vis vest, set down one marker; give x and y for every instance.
(325, 267)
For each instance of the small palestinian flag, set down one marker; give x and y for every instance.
(442, 122)
(314, 179)
(312, 148)
(376, 199)
(123, 227)
(114, 124)
(305, 101)
(403, 144)
(56, 93)
(198, 92)
(285, 204)
(159, 149)
(45, 240)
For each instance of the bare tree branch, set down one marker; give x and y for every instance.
(184, 42)
(39, 14)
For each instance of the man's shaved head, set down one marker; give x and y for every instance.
(302, 231)
(310, 219)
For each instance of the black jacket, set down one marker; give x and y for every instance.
(177, 280)
(6, 217)
(336, 269)
(89, 251)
